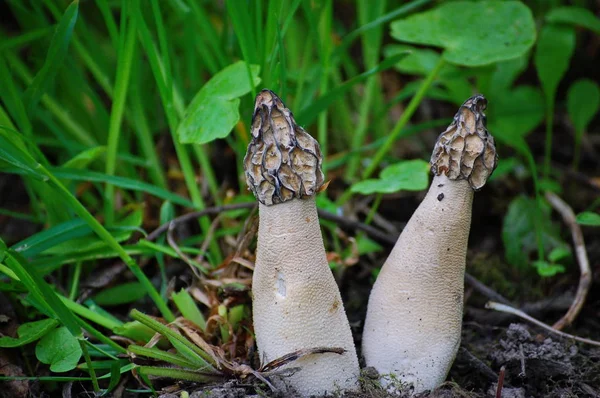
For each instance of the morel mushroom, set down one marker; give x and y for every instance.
(413, 325)
(296, 301)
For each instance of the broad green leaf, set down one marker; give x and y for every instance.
(214, 111)
(419, 61)
(518, 230)
(589, 218)
(409, 175)
(121, 294)
(575, 16)
(188, 308)
(59, 349)
(547, 269)
(559, 253)
(497, 31)
(504, 75)
(553, 53)
(422, 61)
(583, 101)
(516, 113)
(56, 55)
(29, 332)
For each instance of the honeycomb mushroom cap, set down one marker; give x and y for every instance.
(283, 161)
(466, 150)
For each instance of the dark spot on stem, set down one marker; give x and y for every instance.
(440, 197)
(440, 185)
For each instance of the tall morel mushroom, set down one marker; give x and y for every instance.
(413, 325)
(296, 301)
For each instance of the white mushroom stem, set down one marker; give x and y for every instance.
(296, 301)
(413, 325)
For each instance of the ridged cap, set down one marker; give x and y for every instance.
(283, 161)
(466, 150)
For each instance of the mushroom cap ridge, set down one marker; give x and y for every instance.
(283, 161)
(466, 150)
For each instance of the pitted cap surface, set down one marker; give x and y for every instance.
(466, 150)
(283, 161)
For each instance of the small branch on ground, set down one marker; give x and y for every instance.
(510, 310)
(585, 278)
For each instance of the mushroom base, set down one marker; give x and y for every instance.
(297, 303)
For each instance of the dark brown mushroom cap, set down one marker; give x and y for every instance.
(466, 150)
(283, 161)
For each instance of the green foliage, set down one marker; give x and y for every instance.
(188, 308)
(408, 175)
(214, 110)
(583, 102)
(121, 294)
(498, 31)
(553, 52)
(589, 218)
(59, 349)
(56, 55)
(29, 332)
(575, 16)
(516, 113)
(519, 234)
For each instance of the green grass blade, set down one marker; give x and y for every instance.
(184, 347)
(395, 14)
(126, 51)
(170, 103)
(188, 308)
(35, 283)
(56, 54)
(121, 182)
(71, 125)
(371, 46)
(210, 35)
(155, 353)
(408, 112)
(177, 374)
(308, 114)
(111, 26)
(242, 22)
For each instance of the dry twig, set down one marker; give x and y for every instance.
(510, 310)
(585, 278)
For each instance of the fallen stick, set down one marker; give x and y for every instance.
(510, 310)
(585, 278)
